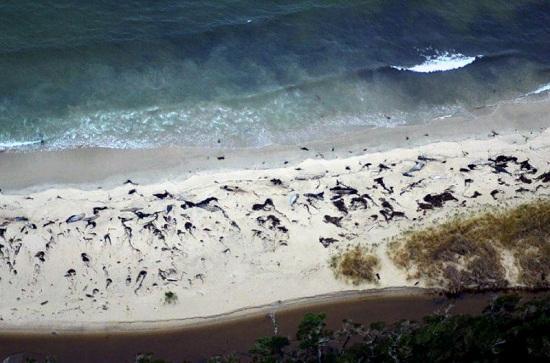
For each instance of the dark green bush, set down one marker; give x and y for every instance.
(508, 330)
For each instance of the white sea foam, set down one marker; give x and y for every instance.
(440, 62)
(541, 89)
(18, 144)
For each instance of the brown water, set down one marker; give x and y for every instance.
(196, 344)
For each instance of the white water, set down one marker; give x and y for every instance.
(541, 89)
(440, 63)
(16, 144)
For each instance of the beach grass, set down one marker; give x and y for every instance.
(355, 265)
(470, 252)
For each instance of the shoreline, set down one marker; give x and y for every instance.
(224, 240)
(91, 168)
(157, 326)
(236, 336)
(315, 302)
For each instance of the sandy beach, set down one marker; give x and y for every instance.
(100, 240)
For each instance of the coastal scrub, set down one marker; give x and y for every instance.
(356, 266)
(467, 252)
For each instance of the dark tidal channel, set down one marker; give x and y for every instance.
(198, 343)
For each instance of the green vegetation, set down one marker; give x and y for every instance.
(170, 297)
(148, 358)
(355, 266)
(269, 349)
(469, 252)
(508, 330)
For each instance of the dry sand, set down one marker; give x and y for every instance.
(231, 239)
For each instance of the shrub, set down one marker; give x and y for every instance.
(466, 252)
(508, 330)
(148, 358)
(170, 297)
(356, 266)
(269, 349)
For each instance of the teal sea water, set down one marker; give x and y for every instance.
(138, 73)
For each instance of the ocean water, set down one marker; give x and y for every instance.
(139, 73)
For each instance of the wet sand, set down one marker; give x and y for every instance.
(197, 343)
(90, 168)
